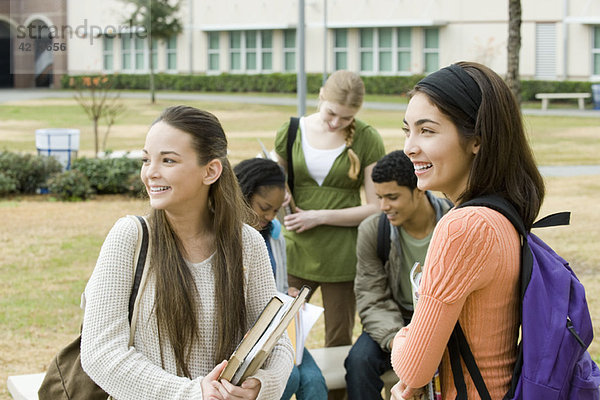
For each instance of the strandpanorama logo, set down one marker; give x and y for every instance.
(80, 31)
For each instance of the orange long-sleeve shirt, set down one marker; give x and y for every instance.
(471, 274)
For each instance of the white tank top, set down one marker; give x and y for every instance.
(318, 161)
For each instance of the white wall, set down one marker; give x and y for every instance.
(469, 30)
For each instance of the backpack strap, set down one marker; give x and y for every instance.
(140, 272)
(557, 219)
(505, 208)
(291, 137)
(459, 346)
(383, 239)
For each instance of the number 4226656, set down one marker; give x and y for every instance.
(49, 47)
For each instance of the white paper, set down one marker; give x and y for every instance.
(305, 320)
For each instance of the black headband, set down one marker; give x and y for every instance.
(454, 83)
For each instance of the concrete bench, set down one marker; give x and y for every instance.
(331, 362)
(24, 387)
(546, 97)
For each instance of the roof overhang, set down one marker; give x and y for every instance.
(387, 24)
(248, 27)
(590, 20)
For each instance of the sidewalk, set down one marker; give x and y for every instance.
(7, 95)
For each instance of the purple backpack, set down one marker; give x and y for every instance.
(553, 362)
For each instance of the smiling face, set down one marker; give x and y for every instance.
(335, 116)
(266, 203)
(399, 203)
(441, 159)
(170, 171)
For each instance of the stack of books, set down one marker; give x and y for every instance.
(261, 338)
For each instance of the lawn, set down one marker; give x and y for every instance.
(48, 248)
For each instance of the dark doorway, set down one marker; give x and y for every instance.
(6, 77)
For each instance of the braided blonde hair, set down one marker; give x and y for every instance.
(347, 89)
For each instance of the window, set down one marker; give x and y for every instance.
(172, 53)
(267, 50)
(235, 51)
(596, 52)
(340, 49)
(289, 50)
(126, 52)
(134, 53)
(384, 41)
(404, 48)
(139, 45)
(107, 52)
(154, 55)
(385, 50)
(431, 50)
(251, 51)
(213, 51)
(366, 50)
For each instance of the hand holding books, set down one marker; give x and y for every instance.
(260, 340)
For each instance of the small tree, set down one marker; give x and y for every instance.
(159, 21)
(95, 96)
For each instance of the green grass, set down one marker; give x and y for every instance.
(555, 140)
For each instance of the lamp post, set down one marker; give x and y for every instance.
(324, 41)
(301, 74)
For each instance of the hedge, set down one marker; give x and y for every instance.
(261, 83)
(286, 83)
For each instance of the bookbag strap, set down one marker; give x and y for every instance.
(291, 137)
(139, 268)
(561, 218)
(505, 208)
(383, 239)
(459, 347)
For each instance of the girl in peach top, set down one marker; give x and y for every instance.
(465, 137)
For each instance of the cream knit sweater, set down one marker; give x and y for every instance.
(135, 372)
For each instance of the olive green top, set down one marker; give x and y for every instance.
(327, 253)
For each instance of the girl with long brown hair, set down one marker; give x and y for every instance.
(465, 138)
(209, 277)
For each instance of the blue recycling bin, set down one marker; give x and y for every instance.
(62, 144)
(596, 95)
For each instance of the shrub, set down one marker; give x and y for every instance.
(70, 185)
(108, 175)
(8, 185)
(29, 172)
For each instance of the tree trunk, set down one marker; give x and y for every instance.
(514, 47)
(96, 137)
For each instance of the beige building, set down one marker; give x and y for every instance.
(560, 38)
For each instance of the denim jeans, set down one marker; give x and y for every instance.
(365, 363)
(306, 381)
